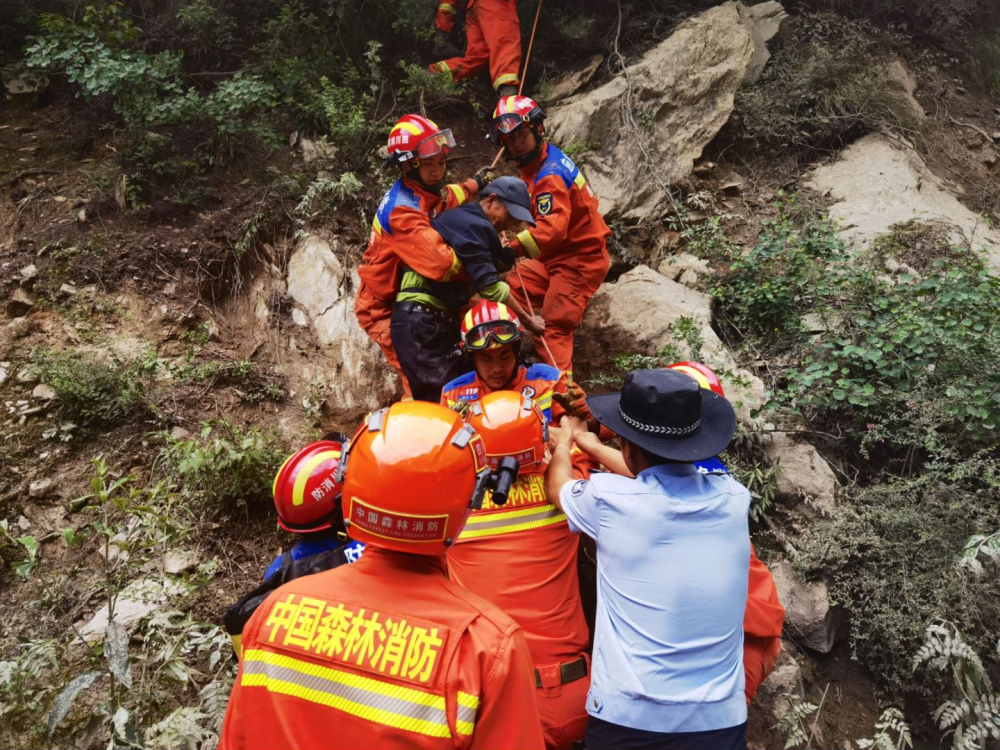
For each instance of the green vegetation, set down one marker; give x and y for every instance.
(94, 390)
(224, 467)
(899, 361)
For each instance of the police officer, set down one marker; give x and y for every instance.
(389, 652)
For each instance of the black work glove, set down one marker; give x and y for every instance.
(484, 177)
(505, 259)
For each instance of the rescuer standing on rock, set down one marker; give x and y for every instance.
(402, 232)
(493, 33)
(567, 247)
(389, 652)
(521, 556)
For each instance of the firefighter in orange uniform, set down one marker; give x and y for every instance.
(567, 247)
(491, 335)
(493, 35)
(522, 557)
(389, 652)
(402, 231)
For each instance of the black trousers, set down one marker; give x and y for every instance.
(602, 735)
(427, 347)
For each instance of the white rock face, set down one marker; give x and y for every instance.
(878, 184)
(571, 81)
(809, 619)
(681, 93)
(354, 370)
(636, 313)
(806, 474)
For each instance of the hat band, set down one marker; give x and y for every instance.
(656, 429)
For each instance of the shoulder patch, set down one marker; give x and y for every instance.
(578, 487)
(398, 196)
(558, 163)
(468, 379)
(542, 371)
(543, 204)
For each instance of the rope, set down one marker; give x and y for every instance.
(531, 310)
(524, 74)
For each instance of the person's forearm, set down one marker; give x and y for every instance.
(560, 472)
(610, 458)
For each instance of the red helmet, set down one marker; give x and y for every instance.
(306, 491)
(415, 137)
(489, 325)
(412, 474)
(705, 376)
(511, 113)
(511, 425)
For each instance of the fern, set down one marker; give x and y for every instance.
(184, 729)
(332, 191)
(791, 724)
(891, 732)
(973, 716)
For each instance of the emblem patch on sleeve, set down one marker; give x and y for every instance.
(544, 204)
(577, 489)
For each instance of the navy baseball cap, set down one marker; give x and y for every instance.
(514, 194)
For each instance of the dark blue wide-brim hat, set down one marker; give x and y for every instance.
(668, 414)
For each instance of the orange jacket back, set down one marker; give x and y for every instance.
(385, 653)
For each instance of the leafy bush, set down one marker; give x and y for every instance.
(891, 557)
(224, 467)
(913, 361)
(794, 267)
(208, 29)
(95, 391)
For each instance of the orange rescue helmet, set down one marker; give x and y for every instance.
(511, 425)
(703, 374)
(306, 491)
(489, 325)
(414, 137)
(412, 474)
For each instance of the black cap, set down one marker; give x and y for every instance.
(668, 414)
(514, 193)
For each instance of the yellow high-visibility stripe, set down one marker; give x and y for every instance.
(274, 487)
(299, 488)
(505, 78)
(456, 267)
(528, 242)
(465, 719)
(458, 192)
(416, 710)
(494, 524)
(447, 7)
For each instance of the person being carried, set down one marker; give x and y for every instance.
(401, 230)
(521, 556)
(493, 36)
(567, 248)
(492, 335)
(307, 498)
(424, 326)
(389, 652)
(673, 554)
(765, 615)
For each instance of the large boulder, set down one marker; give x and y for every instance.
(809, 618)
(805, 474)
(637, 314)
(653, 121)
(353, 372)
(877, 183)
(785, 680)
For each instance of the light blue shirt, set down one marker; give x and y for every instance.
(673, 557)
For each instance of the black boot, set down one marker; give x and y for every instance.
(443, 47)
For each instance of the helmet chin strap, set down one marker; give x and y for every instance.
(414, 174)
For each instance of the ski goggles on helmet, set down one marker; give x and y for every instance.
(504, 125)
(439, 143)
(492, 333)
